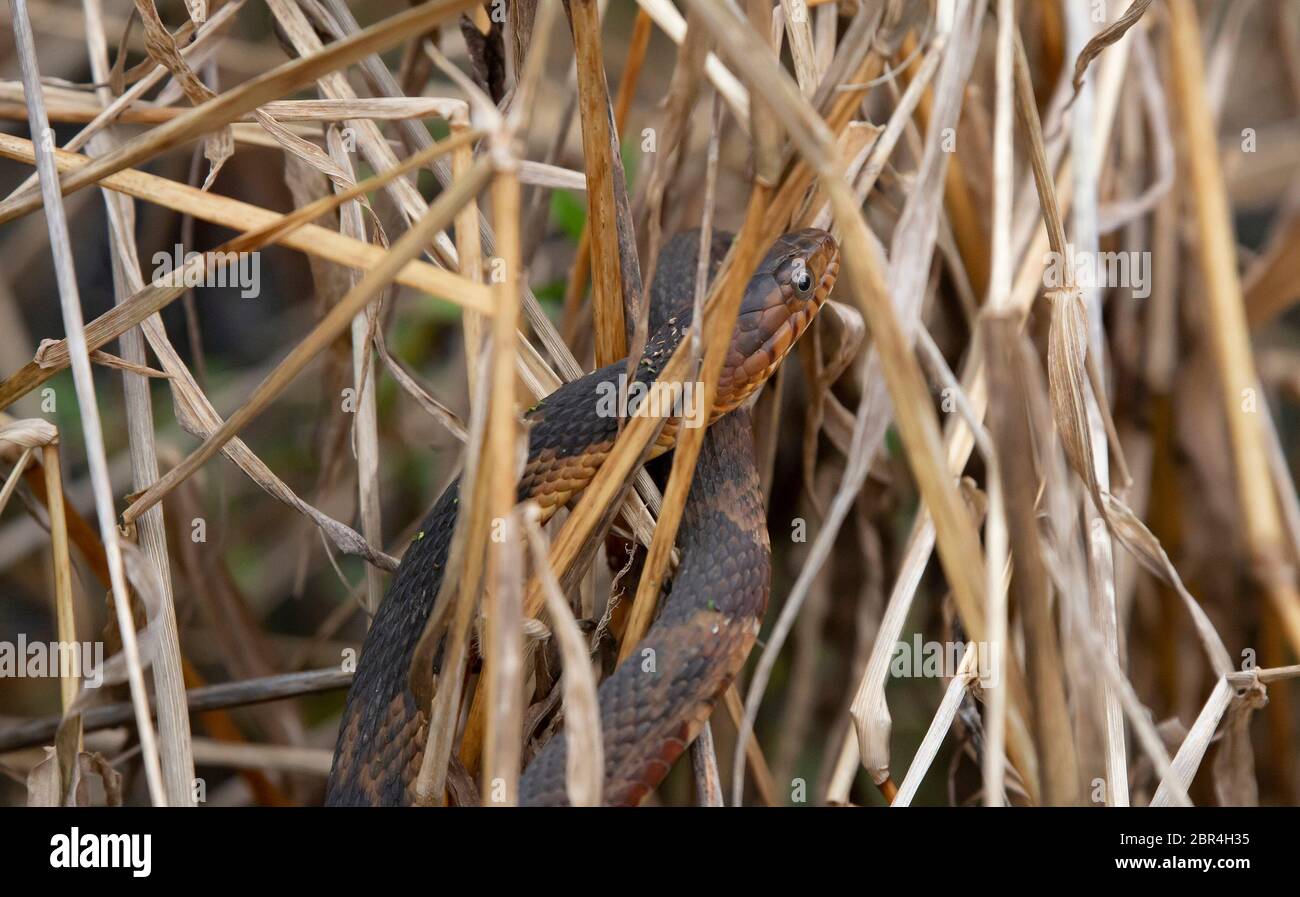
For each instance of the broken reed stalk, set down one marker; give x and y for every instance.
(503, 646)
(330, 327)
(62, 560)
(80, 532)
(1227, 329)
(704, 763)
(798, 30)
(469, 252)
(33, 436)
(581, 273)
(593, 106)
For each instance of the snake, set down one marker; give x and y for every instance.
(657, 700)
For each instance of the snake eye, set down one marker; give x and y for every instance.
(802, 280)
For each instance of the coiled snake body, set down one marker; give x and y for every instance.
(708, 623)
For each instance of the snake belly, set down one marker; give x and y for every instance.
(654, 703)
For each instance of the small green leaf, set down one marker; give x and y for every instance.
(570, 212)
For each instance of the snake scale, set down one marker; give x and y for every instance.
(649, 713)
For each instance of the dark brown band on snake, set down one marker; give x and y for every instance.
(653, 704)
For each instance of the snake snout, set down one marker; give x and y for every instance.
(784, 295)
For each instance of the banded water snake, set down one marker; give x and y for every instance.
(649, 712)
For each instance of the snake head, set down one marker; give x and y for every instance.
(784, 295)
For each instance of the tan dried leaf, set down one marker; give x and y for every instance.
(1145, 547)
(1234, 763)
(1067, 378)
(1104, 38)
(158, 41)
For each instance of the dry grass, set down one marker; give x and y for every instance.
(1102, 467)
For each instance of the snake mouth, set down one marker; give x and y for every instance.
(784, 295)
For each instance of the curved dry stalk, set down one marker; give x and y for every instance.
(937, 732)
(585, 760)
(365, 429)
(15, 474)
